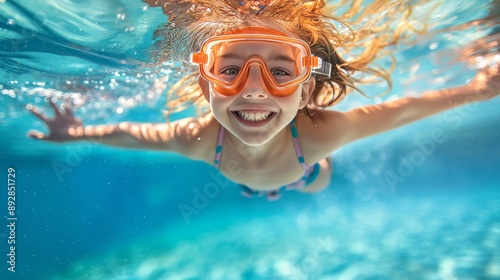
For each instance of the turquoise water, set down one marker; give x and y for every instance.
(402, 205)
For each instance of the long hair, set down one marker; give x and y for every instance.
(350, 34)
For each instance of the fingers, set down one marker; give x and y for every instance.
(67, 110)
(37, 135)
(35, 111)
(54, 107)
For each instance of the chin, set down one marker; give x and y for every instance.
(251, 138)
(255, 140)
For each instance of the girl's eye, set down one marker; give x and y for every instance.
(279, 72)
(230, 71)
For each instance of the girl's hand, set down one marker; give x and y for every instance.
(62, 127)
(486, 83)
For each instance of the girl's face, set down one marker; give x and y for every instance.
(254, 115)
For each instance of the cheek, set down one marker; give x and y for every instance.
(218, 102)
(292, 101)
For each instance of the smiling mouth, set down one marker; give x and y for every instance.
(254, 116)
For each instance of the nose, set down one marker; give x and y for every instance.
(254, 87)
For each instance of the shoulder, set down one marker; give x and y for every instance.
(321, 134)
(196, 137)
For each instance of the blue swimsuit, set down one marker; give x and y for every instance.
(310, 173)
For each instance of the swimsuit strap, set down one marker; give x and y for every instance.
(218, 149)
(296, 145)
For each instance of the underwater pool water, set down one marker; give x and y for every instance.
(406, 204)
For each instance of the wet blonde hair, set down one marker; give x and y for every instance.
(350, 28)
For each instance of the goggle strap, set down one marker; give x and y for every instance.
(318, 66)
(199, 58)
(324, 68)
(310, 61)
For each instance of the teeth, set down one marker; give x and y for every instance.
(249, 116)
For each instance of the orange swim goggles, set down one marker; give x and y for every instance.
(284, 62)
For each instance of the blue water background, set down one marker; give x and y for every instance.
(419, 202)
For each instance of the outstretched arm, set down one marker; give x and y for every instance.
(176, 136)
(369, 120)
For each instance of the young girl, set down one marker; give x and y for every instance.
(268, 70)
